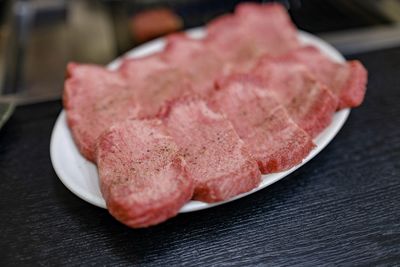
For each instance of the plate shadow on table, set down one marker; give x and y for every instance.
(208, 226)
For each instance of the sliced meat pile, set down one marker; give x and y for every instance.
(271, 136)
(309, 103)
(254, 30)
(95, 98)
(142, 174)
(346, 80)
(202, 118)
(216, 157)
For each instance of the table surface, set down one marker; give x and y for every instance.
(340, 208)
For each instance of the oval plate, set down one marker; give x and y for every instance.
(80, 176)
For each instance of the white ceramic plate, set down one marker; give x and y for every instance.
(80, 176)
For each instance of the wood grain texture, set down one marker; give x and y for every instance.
(342, 208)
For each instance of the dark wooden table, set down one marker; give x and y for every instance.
(341, 208)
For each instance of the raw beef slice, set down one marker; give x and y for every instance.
(310, 104)
(216, 157)
(143, 177)
(271, 136)
(347, 81)
(154, 82)
(198, 61)
(94, 98)
(253, 30)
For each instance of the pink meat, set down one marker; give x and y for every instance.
(198, 61)
(271, 136)
(154, 82)
(143, 177)
(216, 157)
(346, 80)
(310, 104)
(94, 98)
(253, 30)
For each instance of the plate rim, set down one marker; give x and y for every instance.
(341, 117)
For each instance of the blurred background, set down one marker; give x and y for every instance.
(39, 37)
